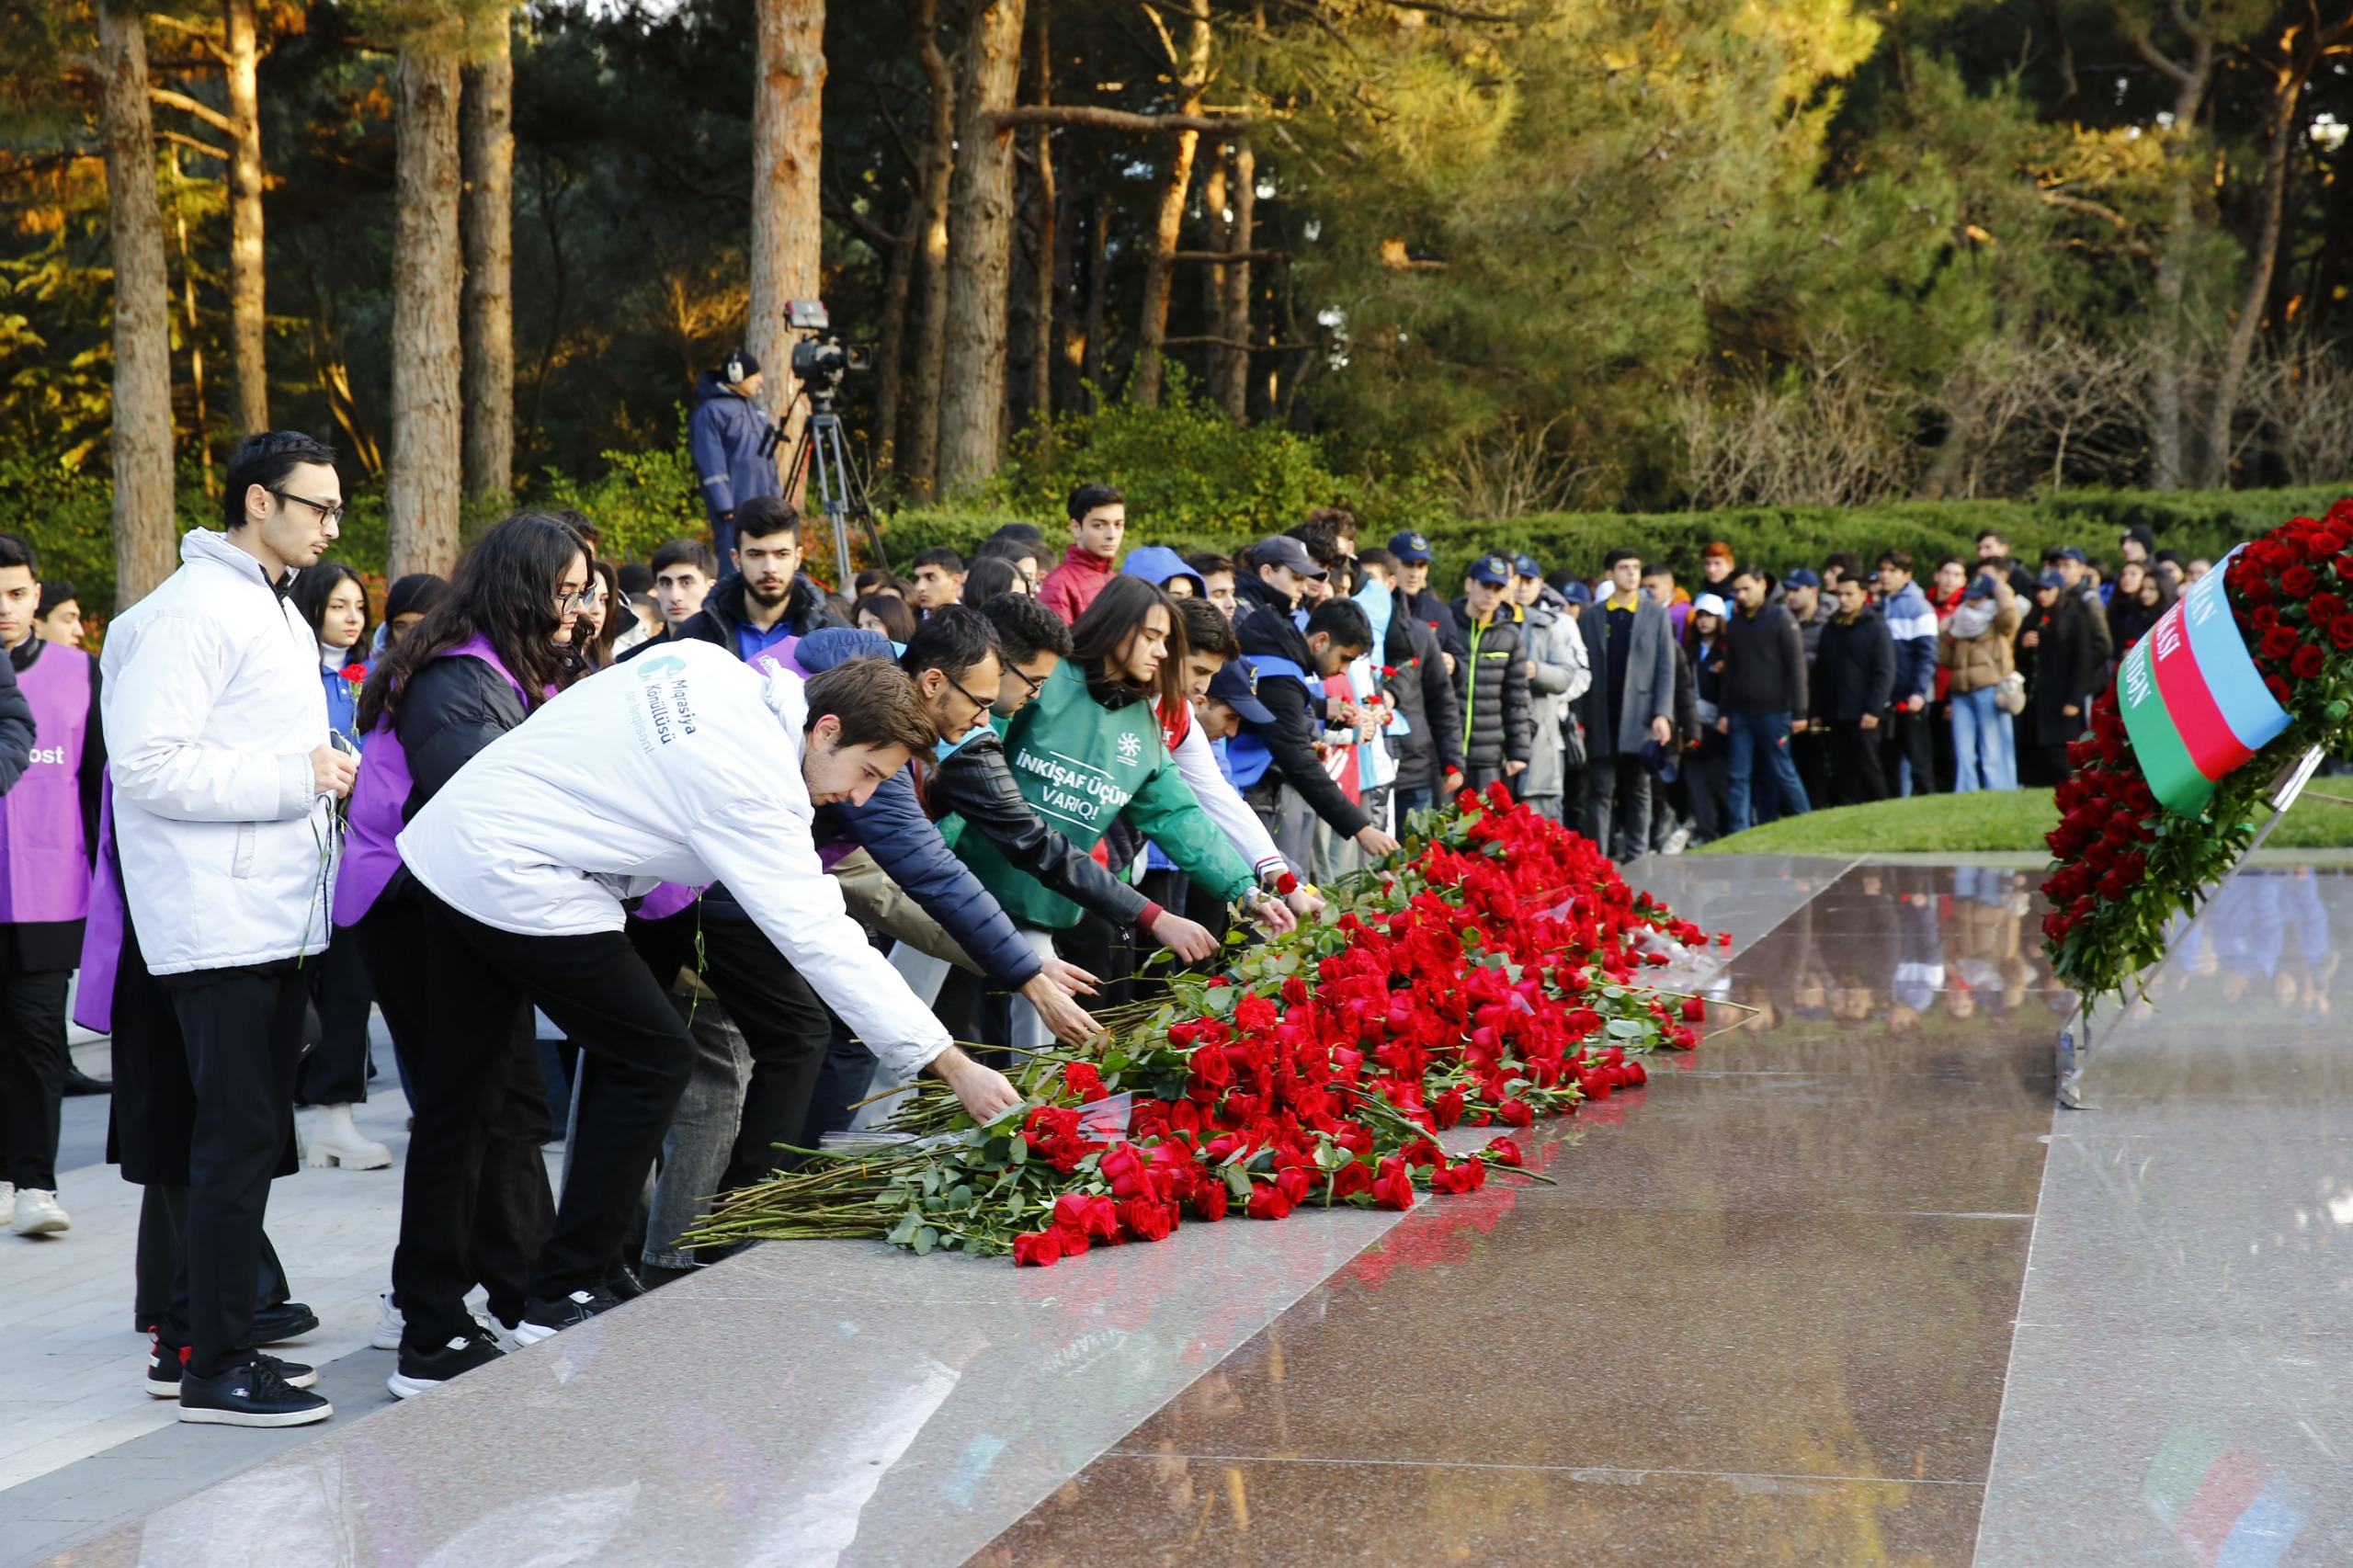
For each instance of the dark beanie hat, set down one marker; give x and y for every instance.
(415, 592)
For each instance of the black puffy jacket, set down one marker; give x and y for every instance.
(1855, 673)
(723, 612)
(976, 782)
(1290, 740)
(1491, 684)
(449, 711)
(1425, 694)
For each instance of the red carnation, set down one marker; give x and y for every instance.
(1082, 1080)
(2308, 662)
(355, 674)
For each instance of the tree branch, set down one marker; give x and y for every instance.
(1457, 12)
(1236, 343)
(207, 148)
(203, 111)
(1117, 119)
(881, 239)
(1221, 257)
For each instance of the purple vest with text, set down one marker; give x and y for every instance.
(378, 798)
(44, 859)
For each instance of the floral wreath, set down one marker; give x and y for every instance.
(2125, 866)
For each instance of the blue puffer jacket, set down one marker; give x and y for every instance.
(893, 828)
(724, 435)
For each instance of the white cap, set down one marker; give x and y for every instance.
(1709, 604)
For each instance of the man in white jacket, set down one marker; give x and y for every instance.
(218, 738)
(682, 766)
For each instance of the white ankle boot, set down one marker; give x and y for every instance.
(335, 1141)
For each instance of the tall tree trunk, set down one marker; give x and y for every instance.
(1215, 229)
(201, 422)
(1230, 382)
(486, 158)
(788, 221)
(1160, 267)
(425, 483)
(2168, 427)
(1064, 390)
(1042, 355)
(248, 312)
(1094, 351)
(2300, 51)
(979, 207)
(896, 277)
(141, 437)
(931, 343)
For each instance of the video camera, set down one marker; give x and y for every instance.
(819, 358)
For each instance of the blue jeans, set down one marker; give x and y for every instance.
(1768, 734)
(1413, 800)
(1981, 744)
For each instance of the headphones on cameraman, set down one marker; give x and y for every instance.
(733, 369)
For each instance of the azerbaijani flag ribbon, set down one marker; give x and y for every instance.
(2194, 703)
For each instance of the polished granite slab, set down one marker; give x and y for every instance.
(1764, 1316)
(2182, 1384)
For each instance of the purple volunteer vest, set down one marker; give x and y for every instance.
(102, 936)
(44, 859)
(383, 788)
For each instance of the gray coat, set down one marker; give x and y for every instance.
(1618, 722)
(1558, 653)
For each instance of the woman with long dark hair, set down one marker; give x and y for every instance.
(1103, 706)
(333, 1075)
(475, 1203)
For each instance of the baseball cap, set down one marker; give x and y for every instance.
(1410, 546)
(1577, 593)
(2074, 554)
(1526, 567)
(1494, 569)
(1980, 588)
(1284, 551)
(2051, 580)
(1801, 577)
(1236, 685)
(1661, 761)
(1709, 604)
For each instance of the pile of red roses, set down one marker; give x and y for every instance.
(2123, 866)
(1486, 980)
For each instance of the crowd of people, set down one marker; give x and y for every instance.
(693, 863)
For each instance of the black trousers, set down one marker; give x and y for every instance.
(163, 1230)
(334, 1070)
(786, 1027)
(636, 1055)
(1856, 779)
(1104, 950)
(242, 1030)
(1910, 737)
(33, 1059)
(514, 1207)
(1618, 802)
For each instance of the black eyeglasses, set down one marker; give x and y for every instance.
(1035, 685)
(976, 702)
(328, 514)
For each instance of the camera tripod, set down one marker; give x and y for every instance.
(841, 489)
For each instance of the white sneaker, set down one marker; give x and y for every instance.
(39, 1215)
(7, 1202)
(1678, 841)
(389, 1324)
(335, 1141)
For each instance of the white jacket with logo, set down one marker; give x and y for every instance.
(211, 697)
(681, 766)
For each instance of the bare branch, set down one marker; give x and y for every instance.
(203, 111)
(207, 148)
(1118, 120)
(1221, 257)
(1236, 343)
(1457, 12)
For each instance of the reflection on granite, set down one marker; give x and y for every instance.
(1763, 1320)
(2180, 1384)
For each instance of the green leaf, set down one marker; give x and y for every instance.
(926, 1239)
(903, 1232)
(1626, 1028)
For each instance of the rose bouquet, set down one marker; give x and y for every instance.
(1485, 976)
(2124, 866)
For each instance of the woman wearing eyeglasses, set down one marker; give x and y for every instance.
(475, 1204)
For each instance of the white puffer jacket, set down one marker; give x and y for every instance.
(212, 706)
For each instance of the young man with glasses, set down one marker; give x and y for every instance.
(222, 777)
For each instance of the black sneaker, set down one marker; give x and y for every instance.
(624, 1283)
(80, 1083)
(287, 1320)
(420, 1371)
(544, 1319)
(249, 1395)
(164, 1371)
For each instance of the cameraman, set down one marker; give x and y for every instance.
(728, 436)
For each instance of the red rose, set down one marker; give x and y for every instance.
(2345, 567)
(2299, 580)
(2323, 545)
(2265, 618)
(1515, 1113)
(1082, 1080)
(2308, 662)
(1695, 1009)
(1209, 1200)
(2278, 688)
(1503, 1150)
(2341, 630)
(1393, 1187)
(1268, 1203)
(2279, 643)
(1038, 1249)
(2326, 607)
(1350, 1179)
(1448, 1107)
(1147, 1221)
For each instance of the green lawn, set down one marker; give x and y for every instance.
(1989, 822)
